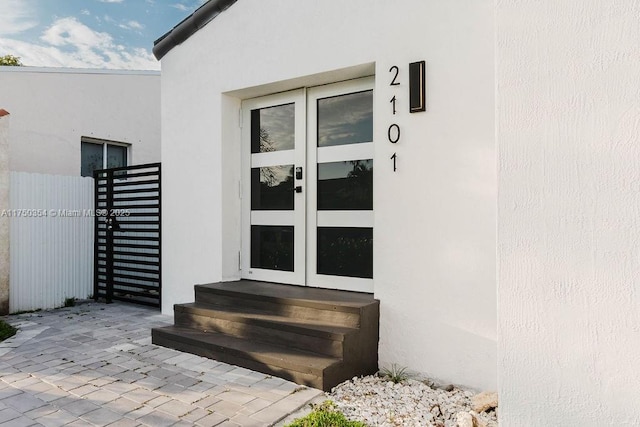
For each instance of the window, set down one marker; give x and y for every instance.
(101, 154)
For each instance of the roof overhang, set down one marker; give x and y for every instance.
(189, 26)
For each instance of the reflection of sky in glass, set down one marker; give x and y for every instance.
(345, 119)
(336, 170)
(276, 175)
(277, 126)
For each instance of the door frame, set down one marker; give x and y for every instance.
(306, 218)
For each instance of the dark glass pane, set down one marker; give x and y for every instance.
(345, 251)
(345, 119)
(272, 129)
(91, 158)
(116, 156)
(272, 188)
(345, 185)
(272, 247)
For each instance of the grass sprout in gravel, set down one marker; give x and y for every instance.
(325, 415)
(379, 402)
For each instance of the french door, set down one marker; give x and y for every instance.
(307, 187)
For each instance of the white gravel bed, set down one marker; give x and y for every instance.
(379, 402)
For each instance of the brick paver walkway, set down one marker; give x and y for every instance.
(94, 365)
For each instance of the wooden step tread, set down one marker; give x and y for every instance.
(250, 316)
(269, 354)
(329, 299)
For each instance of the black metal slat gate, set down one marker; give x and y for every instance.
(127, 246)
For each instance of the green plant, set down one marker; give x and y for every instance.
(6, 330)
(10, 60)
(395, 373)
(69, 302)
(325, 415)
(26, 311)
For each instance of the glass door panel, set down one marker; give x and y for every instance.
(340, 199)
(273, 212)
(345, 185)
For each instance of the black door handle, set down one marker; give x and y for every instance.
(298, 189)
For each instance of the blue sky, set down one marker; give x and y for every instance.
(115, 34)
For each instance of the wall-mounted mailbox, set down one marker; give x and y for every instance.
(417, 88)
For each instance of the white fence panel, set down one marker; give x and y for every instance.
(51, 241)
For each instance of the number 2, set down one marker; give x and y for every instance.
(395, 77)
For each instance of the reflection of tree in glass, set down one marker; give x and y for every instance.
(360, 169)
(266, 144)
(268, 175)
(276, 250)
(345, 252)
(359, 181)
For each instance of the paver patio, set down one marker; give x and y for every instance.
(94, 365)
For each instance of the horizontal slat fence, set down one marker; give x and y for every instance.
(128, 242)
(51, 237)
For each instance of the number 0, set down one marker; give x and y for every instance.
(393, 133)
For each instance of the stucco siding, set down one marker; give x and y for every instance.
(52, 109)
(434, 226)
(568, 231)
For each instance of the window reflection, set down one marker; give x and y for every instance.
(272, 188)
(116, 156)
(345, 185)
(91, 158)
(345, 119)
(345, 251)
(272, 247)
(273, 129)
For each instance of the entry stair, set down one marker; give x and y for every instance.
(311, 336)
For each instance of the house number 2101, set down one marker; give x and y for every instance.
(393, 132)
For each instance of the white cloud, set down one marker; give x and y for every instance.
(16, 16)
(110, 1)
(132, 25)
(180, 6)
(85, 12)
(70, 31)
(70, 43)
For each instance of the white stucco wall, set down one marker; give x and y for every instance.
(568, 232)
(434, 232)
(51, 109)
(4, 204)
